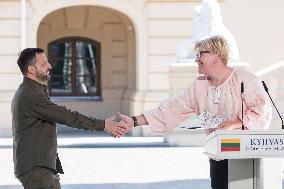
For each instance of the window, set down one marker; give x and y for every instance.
(75, 67)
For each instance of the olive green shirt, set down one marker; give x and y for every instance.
(34, 118)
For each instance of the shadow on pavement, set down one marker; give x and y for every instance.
(180, 184)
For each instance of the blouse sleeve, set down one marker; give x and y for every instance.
(257, 107)
(172, 112)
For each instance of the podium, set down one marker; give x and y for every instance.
(247, 152)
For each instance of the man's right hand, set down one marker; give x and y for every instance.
(116, 129)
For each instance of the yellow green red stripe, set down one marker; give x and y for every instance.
(230, 144)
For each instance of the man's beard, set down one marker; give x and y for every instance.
(42, 76)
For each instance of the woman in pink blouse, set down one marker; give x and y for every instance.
(218, 93)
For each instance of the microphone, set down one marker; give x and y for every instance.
(242, 91)
(266, 90)
(265, 87)
(191, 127)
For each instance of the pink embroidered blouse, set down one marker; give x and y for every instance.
(224, 100)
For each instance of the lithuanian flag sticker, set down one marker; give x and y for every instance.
(230, 145)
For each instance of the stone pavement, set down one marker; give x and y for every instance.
(102, 162)
(125, 163)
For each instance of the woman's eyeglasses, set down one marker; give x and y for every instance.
(199, 53)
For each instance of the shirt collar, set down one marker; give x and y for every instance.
(35, 84)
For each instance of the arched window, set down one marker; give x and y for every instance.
(75, 65)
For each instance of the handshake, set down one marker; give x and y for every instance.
(118, 125)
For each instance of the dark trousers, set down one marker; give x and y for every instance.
(40, 178)
(219, 174)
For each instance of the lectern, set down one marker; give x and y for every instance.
(247, 152)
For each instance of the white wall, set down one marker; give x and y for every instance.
(159, 27)
(10, 41)
(258, 28)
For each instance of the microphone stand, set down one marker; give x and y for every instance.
(242, 91)
(266, 90)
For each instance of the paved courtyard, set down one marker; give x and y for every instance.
(126, 163)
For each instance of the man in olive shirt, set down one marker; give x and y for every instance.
(34, 118)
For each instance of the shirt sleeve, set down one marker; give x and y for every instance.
(257, 107)
(171, 112)
(43, 108)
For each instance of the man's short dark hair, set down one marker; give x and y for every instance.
(27, 57)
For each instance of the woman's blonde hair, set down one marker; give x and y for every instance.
(216, 45)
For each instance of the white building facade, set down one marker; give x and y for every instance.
(135, 41)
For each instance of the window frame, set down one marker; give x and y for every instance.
(74, 92)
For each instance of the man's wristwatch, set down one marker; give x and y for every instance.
(135, 121)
